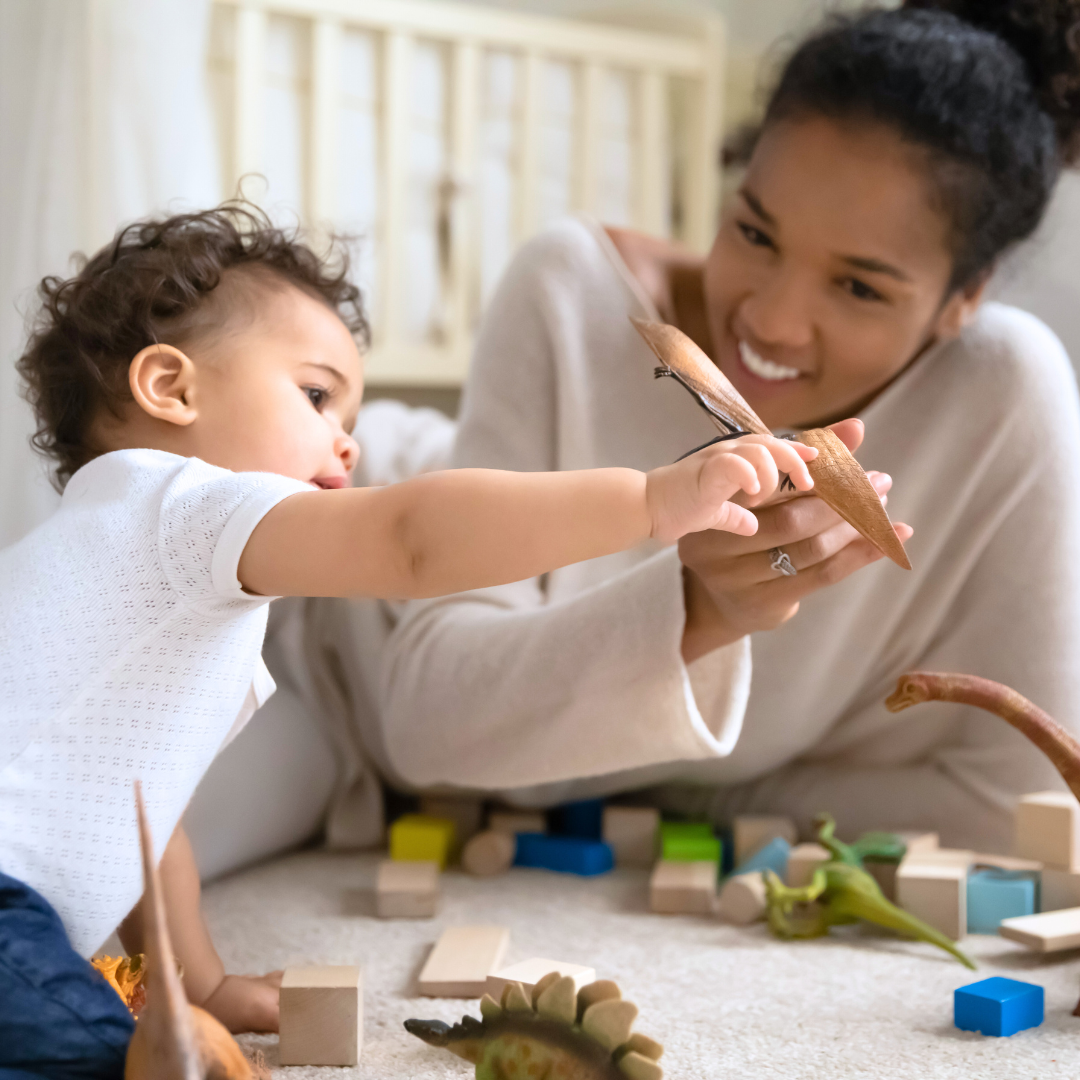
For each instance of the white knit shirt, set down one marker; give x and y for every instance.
(128, 650)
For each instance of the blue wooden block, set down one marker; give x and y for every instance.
(566, 854)
(998, 1006)
(583, 819)
(773, 856)
(993, 895)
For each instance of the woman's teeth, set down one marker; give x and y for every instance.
(765, 369)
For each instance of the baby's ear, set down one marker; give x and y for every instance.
(162, 381)
(961, 308)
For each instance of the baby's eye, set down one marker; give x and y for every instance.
(860, 290)
(317, 395)
(754, 235)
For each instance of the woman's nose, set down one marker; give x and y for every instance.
(777, 312)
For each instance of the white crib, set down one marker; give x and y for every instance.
(445, 134)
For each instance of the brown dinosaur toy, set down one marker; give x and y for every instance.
(839, 480)
(1043, 730)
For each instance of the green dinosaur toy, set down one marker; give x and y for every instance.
(555, 1032)
(842, 892)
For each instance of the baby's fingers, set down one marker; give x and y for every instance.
(791, 458)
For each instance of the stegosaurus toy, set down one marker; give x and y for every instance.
(841, 892)
(556, 1033)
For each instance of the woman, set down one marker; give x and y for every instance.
(902, 154)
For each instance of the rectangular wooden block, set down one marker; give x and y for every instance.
(632, 833)
(920, 841)
(1059, 889)
(754, 831)
(940, 857)
(419, 838)
(466, 813)
(1048, 829)
(462, 960)
(683, 888)
(803, 861)
(1053, 931)
(517, 821)
(935, 893)
(322, 1016)
(407, 890)
(530, 972)
(1006, 862)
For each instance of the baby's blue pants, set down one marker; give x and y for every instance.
(59, 1018)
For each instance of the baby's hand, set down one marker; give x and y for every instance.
(247, 1002)
(693, 494)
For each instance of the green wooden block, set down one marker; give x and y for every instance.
(689, 842)
(419, 838)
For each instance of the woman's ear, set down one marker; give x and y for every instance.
(961, 307)
(162, 381)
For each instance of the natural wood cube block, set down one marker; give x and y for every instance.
(322, 1016)
(407, 890)
(1059, 889)
(1053, 931)
(1048, 829)
(919, 841)
(940, 857)
(462, 960)
(742, 899)
(935, 893)
(632, 833)
(515, 821)
(803, 861)
(753, 831)
(530, 972)
(683, 888)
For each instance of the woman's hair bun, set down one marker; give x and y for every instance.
(1046, 34)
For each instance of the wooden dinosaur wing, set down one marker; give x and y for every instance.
(839, 481)
(686, 361)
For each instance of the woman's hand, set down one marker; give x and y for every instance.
(731, 588)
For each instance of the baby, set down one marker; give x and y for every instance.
(196, 385)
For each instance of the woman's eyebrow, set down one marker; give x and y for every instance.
(754, 203)
(875, 266)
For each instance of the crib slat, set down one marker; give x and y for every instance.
(463, 286)
(652, 158)
(701, 180)
(325, 115)
(249, 96)
(529, 157)
(587, 140)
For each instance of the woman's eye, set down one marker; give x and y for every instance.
(317, 395)
(755, 236)
(860, 290)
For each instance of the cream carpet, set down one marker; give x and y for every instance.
(726, 1002)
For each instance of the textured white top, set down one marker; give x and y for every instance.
(579, 674)
(128, 650)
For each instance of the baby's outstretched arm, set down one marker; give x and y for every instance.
(240, 1002)
(467, 529)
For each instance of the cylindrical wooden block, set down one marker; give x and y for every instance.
(489, 853)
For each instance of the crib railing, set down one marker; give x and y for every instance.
(446, 134)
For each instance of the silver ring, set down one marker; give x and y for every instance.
(781, 562)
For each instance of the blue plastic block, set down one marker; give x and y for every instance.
(993, 895)
(998, 1006)
(773, 856)
(584, 819)
(566, 854)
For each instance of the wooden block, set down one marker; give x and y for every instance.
(632, 833)
(754, 831)
(467, 814)
(516, 821)
(884, 873)
(462, 960)
(802, 862)
(1048, 829)
(940, 857)
(489, 853)
(407, 890)
(1053, 931)
(920, 841)
(683, 888)
(935, 893)
(1006, 862)
(1059, 889)
(322, 1016)
(418, 838)
(742, 899)
(530, 972)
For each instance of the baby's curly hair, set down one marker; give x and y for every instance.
(154, 282)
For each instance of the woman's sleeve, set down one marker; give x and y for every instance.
(499, 688)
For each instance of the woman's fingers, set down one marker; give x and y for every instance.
(849, 432)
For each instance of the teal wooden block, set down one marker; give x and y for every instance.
(993, 895)
(773, 856)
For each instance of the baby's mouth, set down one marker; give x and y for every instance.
(330, 483)
(765, 369)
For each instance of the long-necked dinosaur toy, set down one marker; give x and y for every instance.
(839, 480)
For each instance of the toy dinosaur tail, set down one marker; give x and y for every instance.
(1045, 732)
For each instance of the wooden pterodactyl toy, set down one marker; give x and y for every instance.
(839, 480)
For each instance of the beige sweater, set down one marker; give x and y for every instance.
(574, 686)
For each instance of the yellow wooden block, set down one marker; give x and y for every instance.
(419, 838)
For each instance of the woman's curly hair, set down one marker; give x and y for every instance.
(154, 282)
